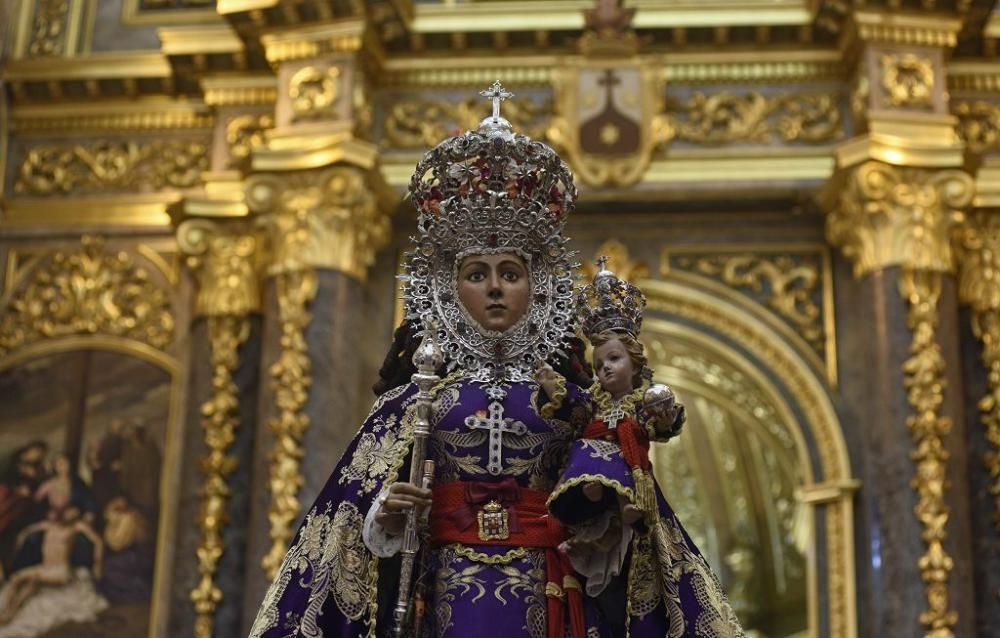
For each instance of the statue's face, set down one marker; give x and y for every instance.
(614, 367)
(494, 289)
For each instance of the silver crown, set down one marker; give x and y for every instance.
(610, 303)
(485, 192)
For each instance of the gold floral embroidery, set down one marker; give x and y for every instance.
(375, 452)
(331, 550)
(717, 618)
(449, 580)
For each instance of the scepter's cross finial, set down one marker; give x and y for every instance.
(602, 262)
(498, 94)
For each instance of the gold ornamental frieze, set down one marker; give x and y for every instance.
(791, 285)
(925, 384)
(978, 124)
(329, 218)
(887, 215)
(727, 117)
(609, 119)
(418, 123)
(88, 291)
(129, 166)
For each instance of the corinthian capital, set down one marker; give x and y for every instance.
(222, 255)
(887, 215)
(977, 251)
(330, 218)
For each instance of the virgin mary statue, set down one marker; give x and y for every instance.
(490, 281)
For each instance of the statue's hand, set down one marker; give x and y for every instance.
(402, 497)
(593, 490)
(546, 377)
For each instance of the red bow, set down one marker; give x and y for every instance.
(477, 494)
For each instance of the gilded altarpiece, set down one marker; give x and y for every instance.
(700, 135)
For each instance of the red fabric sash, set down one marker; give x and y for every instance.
(453, 520)
(631, 437)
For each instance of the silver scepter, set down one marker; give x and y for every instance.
(427, 359)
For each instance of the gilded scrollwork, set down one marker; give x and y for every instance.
(907, 79)
(790, 286)
(888, 215)
(977, 245)
(925, 384)
(222, 259)
(244, 132)
(220, 420)
(291, 380)
(87, 291)
(978, 124)
(49, 28)
(56, 169)
(419, 123)
(727, 118)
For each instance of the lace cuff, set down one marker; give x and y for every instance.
(376, 538)
(600, 567)
(548, 409)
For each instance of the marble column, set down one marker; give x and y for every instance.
(221, 414)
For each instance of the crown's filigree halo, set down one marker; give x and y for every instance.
(610, 303)
(492, 191)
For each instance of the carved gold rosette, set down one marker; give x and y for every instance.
(925, 384)
(898, 216)
(978, 248)
(290, 381)
(222, 258)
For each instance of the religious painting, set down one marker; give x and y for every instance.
(609, 120)
(82, 442)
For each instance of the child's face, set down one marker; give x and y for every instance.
(614, 368)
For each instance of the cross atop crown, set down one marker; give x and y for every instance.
(498, 94)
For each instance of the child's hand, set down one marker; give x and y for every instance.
(546, 377)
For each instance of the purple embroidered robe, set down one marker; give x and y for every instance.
(330, 585)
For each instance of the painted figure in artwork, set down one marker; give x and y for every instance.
(490, 306)
(60, 588)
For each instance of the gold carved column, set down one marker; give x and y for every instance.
(898, 194)
(313, 185)
(222, 256)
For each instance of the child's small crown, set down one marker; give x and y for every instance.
(609, 303)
